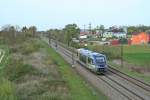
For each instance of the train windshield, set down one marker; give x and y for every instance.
(100, 59)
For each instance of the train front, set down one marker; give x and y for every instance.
(100, 63)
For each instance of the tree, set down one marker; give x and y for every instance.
(9, 34)
(24, 30)
(102, 29)
(71, 31)
(33, 30)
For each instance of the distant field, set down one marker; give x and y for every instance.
(139, 55)
(137, 49)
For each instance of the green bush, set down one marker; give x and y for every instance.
(30, 46)
(7, 90)
(16, 69)
(112, 52)
(53, 96)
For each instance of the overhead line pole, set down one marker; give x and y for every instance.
(49, 39)
(121, 55)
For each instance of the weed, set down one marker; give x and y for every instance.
(16, 69)
(7, 90)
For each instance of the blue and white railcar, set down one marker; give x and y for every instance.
(92, 60)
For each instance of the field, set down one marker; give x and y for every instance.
(139, 55)
(34, 71)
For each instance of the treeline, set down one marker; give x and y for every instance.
(66, 34)
(11, 34)
(140, 28)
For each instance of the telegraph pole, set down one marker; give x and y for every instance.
(56, 44)
(72, 59)
(84, 28)
(49, 39)
(90, 28)
(121, 55)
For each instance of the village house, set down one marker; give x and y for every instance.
(115, 32)
(83, 34)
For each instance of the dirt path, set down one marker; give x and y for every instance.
(2, 54)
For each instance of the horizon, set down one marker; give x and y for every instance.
(56, 14)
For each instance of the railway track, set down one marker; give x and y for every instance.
(135, 81)
(116, 79)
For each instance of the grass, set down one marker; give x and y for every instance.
(137, 54)
(141, 59)
(6, 56)
(131, 73)
(137, 49)
(77, 86)
(27, 48)
(7, 90)
(33, 71)
(15, 69)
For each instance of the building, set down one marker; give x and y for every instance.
(114, 34)
(140, 38)
(120, 32)
(108, 34)
(83, 34)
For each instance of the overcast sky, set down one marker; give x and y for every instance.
(47, 14)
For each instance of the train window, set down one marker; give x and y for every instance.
(100, 59)
(82, 58)
(90, 61)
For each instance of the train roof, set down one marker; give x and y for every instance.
(89, 53)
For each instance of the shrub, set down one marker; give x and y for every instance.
(112, 52)
(7, 90)
(31, 46)
(53, 96)
(16, 69)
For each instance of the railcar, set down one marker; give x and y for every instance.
(94, 61)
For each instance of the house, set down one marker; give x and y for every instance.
(140, 38)
(120, 34)
(115, 32)
(83, 34)
(108, 34)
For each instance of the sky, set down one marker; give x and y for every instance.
(46, 14)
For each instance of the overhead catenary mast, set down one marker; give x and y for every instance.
(90, 28)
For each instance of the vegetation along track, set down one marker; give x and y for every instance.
(141, 91)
